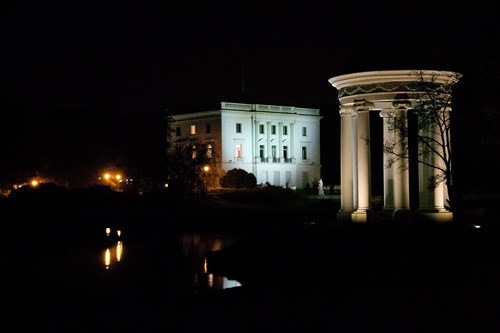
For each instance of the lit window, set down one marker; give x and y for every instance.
(304, 153)
(193, 129)
(238, 150)
(261, 129)
(285, 130)
(193, 152)
(304, 131)
(238, 128)
(209, 151)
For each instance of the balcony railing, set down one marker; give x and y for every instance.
(275, 160)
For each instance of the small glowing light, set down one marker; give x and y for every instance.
(118, 177)
(477, 226)
(166, 185)
(108, 230)
(119, 249)
(205, 266)
(206, 168)
(34, 183)
(107, 258)
(119, 233)
(107, 176)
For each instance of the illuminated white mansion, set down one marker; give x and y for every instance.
(280, 145)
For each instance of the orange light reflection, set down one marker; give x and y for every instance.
(119, 249)
(107, 258)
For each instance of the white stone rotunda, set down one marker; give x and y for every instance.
(360, 95)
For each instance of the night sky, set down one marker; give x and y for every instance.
(87, 85)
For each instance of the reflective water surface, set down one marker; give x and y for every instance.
(190, 259)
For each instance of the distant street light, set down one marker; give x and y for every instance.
(113, 180)
(206, 168)
(34, 183)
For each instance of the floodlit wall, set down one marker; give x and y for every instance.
(278, 144)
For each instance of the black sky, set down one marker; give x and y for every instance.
(87, 84)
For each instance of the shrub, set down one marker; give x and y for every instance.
(238, 178)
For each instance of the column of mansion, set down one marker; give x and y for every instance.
(391, 94)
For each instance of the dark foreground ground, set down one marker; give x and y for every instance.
(299, 273)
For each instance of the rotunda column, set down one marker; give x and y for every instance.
(441, 136)
(346, 163)
(362, 109)
(432, 197)
(425, 170)
(401, 165)
(355, 159)
(388, 137)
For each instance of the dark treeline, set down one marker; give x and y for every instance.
(72, 146)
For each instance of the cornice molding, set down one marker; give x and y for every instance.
(258, 110)
(196, 115)
(364, 78)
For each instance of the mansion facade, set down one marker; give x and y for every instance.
(279, 145)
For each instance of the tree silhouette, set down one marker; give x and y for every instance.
(432, 106)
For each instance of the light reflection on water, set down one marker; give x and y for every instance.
(118, 249)
(195, 247)
(191, 270)
(107, 258)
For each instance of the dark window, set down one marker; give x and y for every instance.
(177, 131)
(208, 129)
(304, 153)
(285, 130)
(304, 131)
(238, 128)
(273, 129)
(261, 129)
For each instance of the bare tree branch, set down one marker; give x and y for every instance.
(432, 108)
